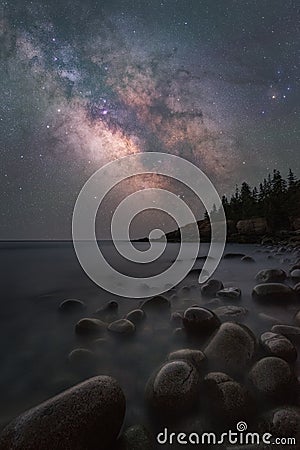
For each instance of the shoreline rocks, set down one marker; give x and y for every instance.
(85, 416)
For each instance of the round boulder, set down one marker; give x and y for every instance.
(136, 437)
(279, 345)
(174, 389)
(231, 348)
(248, 259)
(292, 333)
(231, 313)
(270, 275)
(271, 376)
(81, 417)
(273, 292)
(157, 304)
(122, 327)
(198, 320)
(295, 274)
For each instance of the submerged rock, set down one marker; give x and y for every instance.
(278, 345)
(229, 292)
(231, 313)
(271, 376)
(174, 389)
(122, 327)
(295, 274)
(292, 333)
(86, 416)
(90, 327)
(198, 320)
(271, 275)
(283, 422)
(248, 259)
(80, 356)
(136, 316)
(232, 348)
(72, 304)
(157, 304)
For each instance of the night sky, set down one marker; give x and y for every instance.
(85, 82)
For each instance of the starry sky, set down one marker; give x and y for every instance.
(86, 82)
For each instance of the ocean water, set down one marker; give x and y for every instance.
(36, 337)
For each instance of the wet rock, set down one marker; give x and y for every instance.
(122, 327)
(194, 357)
(270, 275)
(273, 292)
(136, 316)
(80, 418)
(297, 318)
(292, 333)
(72, 304)
(231, 348)
(80, 356)
(231, 312)
(90, 327)
(297, 289)
(271, 376)
(211, 288)
(234, 255)
(248, 259)
(136, 437)
(229, 292)
(173, 390)
(108, 312)
(178, 333)
(278, 345)
(157, 304)
(198, 320)
(228, 400)
(295, 274)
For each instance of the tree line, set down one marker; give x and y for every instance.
(277, 199)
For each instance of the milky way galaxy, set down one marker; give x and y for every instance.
(88, 82)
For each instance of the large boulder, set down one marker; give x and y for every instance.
(231, 313)
(278, 345)
(87, 416)
(270, 275)
(174, 389)
(271, 377)
(257, 226)
(157, 305)
(194, 357)
(232, 348)
(292, 333)
(136, 437)
(90, 327)
(198, 320)
(211, 288)
(273, 292)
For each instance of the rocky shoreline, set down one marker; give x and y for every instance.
(220, 371)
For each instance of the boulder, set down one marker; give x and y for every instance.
(136, 437)
(248, 259)
(278, 345)
(198, 320)
(136, 316)
(173, 389)
(232, 348)
(283, 422)
(87, 416)
(157, 304)
(270, 275)
(122, 327)
(273, 292)
(271, 377)
(292, 333)
(295, 274)
(231, 313)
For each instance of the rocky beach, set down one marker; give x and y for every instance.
(96, 371)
